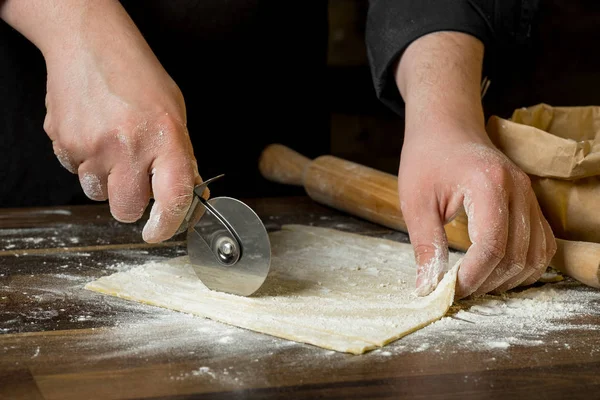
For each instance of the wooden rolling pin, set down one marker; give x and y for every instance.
(373, 195)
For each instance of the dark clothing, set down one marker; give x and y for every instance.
(504, 27)
(250, 72)
(260, 77)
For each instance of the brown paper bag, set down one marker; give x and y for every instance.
(559, 148)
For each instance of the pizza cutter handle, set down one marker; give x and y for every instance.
(193, 215)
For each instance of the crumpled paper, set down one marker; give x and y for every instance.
(559, 148)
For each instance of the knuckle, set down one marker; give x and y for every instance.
(521, 178)
(180, 202)
(128, 138)
(149, 134)
(49, 127)
(501, 174)
(65, 143)
(515, 269)
(506, 273)
(64, 158)
(170, 133)
(169, 125)
(493, 250)
(497, 173)
(538, 263)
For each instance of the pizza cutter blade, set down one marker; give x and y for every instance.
(227, 243)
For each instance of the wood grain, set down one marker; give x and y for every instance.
(579, 260)
(129, 351)
(68, 249)
(283, 165)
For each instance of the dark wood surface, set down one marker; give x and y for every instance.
(59, 341)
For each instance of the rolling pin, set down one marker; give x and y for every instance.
(373, 195)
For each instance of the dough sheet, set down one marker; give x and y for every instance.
(328, 288)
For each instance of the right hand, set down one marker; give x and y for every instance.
(118, 120)
(444, 169)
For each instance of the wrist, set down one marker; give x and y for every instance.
(444, 111)
(56, 28)
(439, 77)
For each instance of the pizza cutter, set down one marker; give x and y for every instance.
(227, 243)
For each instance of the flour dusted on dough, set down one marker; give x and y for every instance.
(333, 289)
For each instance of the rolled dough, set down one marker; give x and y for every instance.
(340, 291)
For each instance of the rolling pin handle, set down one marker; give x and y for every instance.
(281, 164)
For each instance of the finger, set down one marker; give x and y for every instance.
(515, 258)
(66, 159)
(534, 277)
(93, 182)
(487, 212)
(173, 181)
(429, 242)
(550, 249)
(536, 252)
(128, 192)
(197, 181)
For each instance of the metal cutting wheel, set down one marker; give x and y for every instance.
(227, 243)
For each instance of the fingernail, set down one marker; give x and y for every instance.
(65, 160)
(429, 276)
(152, 226)
(424, 286)
(91, 185)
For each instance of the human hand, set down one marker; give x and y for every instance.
(449, 163)
(118, 120)
(440, 173)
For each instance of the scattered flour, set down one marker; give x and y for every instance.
(487, 324)
(55, 212)
(226, 339)
(525, 318)
(496, 324)
(51, 239)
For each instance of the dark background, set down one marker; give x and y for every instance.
(254, 72)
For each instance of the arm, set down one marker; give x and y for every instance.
(448, 162)
(114, 115)
(504, 27)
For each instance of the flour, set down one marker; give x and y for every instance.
(538, 318)
(148, 332)
(433, 271)
(489, 324)
(202, 371)
(92, 186)
(50, 238)
(292, 304)
(154, 222)
(497, 323)
(64, 158)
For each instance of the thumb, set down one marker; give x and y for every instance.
(428, 238)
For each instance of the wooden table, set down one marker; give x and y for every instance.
(59, 341)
